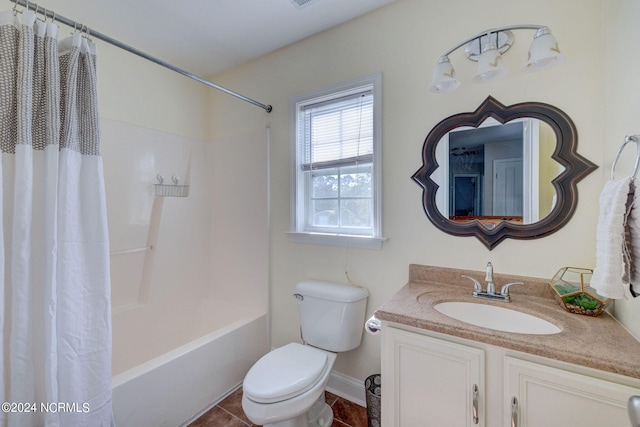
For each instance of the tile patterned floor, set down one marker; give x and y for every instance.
(228, 413)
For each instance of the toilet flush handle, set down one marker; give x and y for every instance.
(298, 297)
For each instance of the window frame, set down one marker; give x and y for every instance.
(299, 232)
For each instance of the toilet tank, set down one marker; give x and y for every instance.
(331, 314)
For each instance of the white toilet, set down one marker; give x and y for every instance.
(285, 388)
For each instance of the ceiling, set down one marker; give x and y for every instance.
(492, 133)
(206, 37)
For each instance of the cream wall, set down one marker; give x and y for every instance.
(621, 108)
(136, 91)
(404, 41)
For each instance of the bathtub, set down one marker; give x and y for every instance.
(171, 363)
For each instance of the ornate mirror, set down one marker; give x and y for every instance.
(502, 172)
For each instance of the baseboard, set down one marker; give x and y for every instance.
(347, 388)
(215, 403)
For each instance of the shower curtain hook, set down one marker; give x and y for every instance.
(45, 14)
(15, 8)
(85, 31)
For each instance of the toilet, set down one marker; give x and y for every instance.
(285, 388)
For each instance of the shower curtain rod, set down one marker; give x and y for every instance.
(70, 23)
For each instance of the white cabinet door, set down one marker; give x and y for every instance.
(553, 397)
(428, 382)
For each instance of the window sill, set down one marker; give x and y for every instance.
(338, 240)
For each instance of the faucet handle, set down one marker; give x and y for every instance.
(505, 288)
(489, 270)
(477, 287)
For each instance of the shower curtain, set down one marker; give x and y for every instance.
(55, 325)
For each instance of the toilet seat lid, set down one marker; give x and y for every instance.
(284, 373)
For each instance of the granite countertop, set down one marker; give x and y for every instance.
(596, 342)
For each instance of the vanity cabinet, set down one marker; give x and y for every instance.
(430, 382)
(547, 396)
(434, 380)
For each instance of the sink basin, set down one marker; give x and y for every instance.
(496, 318)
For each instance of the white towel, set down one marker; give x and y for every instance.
(633, 241)
(611, 275)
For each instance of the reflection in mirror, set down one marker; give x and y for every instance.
(502, 172)
(497, 172)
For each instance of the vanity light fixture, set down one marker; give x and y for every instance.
(487, 48)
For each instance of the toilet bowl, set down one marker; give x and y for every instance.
(285, 388)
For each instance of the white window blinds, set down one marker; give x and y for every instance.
(338, 132)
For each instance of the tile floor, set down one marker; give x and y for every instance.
(228, 413)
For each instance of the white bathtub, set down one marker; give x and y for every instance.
(171, 363)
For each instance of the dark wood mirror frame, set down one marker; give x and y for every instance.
(575, 166)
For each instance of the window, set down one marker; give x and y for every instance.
(336, 165)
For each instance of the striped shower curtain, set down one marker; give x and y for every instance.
(55, 321)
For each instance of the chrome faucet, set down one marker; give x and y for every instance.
(491, 293)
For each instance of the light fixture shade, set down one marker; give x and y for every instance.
(543, 52)
(444, 77)
(490, 65)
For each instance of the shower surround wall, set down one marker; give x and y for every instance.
(169, 302)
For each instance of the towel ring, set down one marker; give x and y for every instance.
(628, 139)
